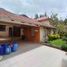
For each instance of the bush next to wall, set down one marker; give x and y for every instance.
(65, 37)
(64, 47)
(53, 36)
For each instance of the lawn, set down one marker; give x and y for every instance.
(57, 43)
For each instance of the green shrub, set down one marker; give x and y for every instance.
(64, 47)
(65, 34)
(61, 34)
(53, 36)
(64, 38)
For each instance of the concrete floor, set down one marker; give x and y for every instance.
(34, 55)
(23, 47)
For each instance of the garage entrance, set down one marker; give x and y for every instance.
(30, 34)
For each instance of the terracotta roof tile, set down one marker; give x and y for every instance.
(5, 15)
(13, 18)
(42, 19)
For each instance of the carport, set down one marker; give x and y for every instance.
(30, 33)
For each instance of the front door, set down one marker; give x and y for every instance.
(10, 32)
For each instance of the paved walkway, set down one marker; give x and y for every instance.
(23, 47)
(42, 56)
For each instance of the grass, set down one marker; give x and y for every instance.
(57, 43)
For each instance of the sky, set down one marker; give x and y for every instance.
(32, 7)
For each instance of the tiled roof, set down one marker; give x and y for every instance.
(42, 19)
(6, 16)
(13, 18)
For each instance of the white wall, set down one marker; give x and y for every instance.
(46, 22)
(42, 34)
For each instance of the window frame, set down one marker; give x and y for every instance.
(2, 27)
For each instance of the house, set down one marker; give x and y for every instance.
(45, 29)
(15, 27)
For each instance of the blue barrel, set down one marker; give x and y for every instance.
(6, 48)
(1, 50)
(14, 47)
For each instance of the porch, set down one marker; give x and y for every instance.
(12, 32)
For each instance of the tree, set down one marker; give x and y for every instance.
(41, 15)
(60, 29)
(36, 16)
(45, 14)
(65, 21)
(54, 19)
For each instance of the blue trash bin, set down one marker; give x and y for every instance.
(6, 49)
(1, 50)
(14, 47)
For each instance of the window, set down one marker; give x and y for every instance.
(16, 31)
(2, 27)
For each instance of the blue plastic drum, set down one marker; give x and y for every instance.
(1, 50)
(14, 47)
(6, 49)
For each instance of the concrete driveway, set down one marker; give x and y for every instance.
(42, 56)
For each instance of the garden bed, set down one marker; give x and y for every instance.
(59, 43)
